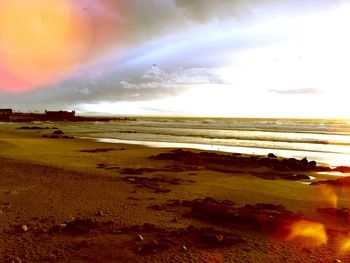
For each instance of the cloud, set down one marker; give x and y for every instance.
(147, 19)
(152, 84)
(296, 91)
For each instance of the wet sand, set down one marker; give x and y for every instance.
(71, 200)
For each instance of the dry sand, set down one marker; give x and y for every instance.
(67, 200)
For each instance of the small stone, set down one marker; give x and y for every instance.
(15, 260)
(100, 213)
(24, 228)
(184, 247)
(337, 261)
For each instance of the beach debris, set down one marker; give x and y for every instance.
(139, 237)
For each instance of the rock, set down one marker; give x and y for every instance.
(312, 165)
(343, 181)
(152, 247)
(14, 260)
(81, 226)
(58, 228)
(132, 171)
(67, 137)
(304, 164)
(24, 228)
(58, 132)
(271, 155)
(342, 169)
(100, 213)
(266, 218)
(226, 162)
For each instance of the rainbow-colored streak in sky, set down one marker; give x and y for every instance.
(42, 41)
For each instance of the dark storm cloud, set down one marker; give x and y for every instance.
(148, 19)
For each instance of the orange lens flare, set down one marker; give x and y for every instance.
(43, 40)
(308, 232)
(346, 246)
(329, 195)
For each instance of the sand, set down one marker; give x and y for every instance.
(72, 200)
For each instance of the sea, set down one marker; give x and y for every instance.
(326, 141)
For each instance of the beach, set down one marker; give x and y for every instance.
(76, 200)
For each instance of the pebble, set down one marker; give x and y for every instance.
(24, 228)
(15, 260)
(100, 213)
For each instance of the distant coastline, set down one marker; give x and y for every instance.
(8, 115)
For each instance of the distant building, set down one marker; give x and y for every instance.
(60, 115)
(5, 114)
(5, 111)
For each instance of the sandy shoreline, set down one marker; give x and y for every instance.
(65, 200)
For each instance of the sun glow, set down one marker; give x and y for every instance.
(40, 40)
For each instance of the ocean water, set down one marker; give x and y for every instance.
(326, 141)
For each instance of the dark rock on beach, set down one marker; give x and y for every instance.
(58, 132)
(344, 181)
(263, 217)
(228, 163)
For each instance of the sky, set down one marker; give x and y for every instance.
(223, 58)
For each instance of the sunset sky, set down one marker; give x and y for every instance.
(230, 58)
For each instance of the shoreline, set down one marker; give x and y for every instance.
(64, 200)
(329, 155)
